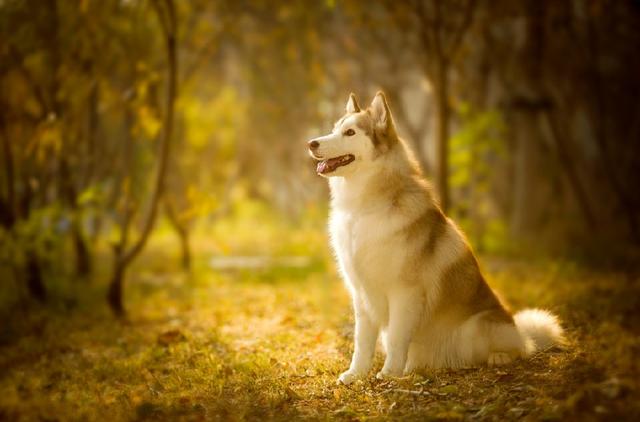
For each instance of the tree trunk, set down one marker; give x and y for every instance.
(182, 231)
(186, 251)
(83, 257)
(442, 113)
(69, 194)
(167, 16)
(475, 200)
(33, 273)
(114, 296)
(8, 212)
(525, 205)
(567, 164)
(600, 112)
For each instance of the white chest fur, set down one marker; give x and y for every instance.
(369, 255)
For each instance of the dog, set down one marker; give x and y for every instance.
(412, 276)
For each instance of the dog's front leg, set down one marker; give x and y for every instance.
(366, 335)
(405, 309)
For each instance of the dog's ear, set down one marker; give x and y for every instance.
(381, 113)
(352, 104)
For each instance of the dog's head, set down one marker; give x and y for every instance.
(357, 140)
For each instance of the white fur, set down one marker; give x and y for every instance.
(336, 144)
(539, 328)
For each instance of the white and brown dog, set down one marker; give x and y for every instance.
(410, 271)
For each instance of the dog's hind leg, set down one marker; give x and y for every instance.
(489, 337)
(504, 342)
(499, 358)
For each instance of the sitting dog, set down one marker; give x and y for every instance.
(411, 273)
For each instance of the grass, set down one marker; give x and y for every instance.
(270, 344)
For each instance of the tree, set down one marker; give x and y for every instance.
(125, 253)
(549, 76)
(440, 29)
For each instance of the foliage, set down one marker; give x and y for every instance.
(476, 149)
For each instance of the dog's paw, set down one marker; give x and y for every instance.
(409, 372)
(349, 377)
(411, 368)
(386, 374)
(499, 358)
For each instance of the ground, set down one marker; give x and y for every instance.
(269, 344)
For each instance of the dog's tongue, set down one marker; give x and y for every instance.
(321, 167)
(327, 165)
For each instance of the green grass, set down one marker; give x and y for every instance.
(270, 344)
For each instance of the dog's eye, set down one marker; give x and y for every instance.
(349, 132)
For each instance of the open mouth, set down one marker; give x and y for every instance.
(331, 164)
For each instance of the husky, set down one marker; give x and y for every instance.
(412, 276)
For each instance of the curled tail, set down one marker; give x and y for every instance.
(540, 329)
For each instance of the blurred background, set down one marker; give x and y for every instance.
(154, 167)
(186, 122)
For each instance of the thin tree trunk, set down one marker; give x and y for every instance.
(442, 113)
(33, 274)
(185, 246)
(114, 295)
(93, 118)
(83, 256)
(124, 257)
(69, 193)
(10, 211)
(528, 193)
(525, 209)
(182, 231)
(566, 163)
(477, 220)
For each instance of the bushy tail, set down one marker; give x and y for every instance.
(539, 328)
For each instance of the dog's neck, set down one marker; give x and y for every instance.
(353, 191)
(375, 185)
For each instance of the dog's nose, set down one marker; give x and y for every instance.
(313, 145)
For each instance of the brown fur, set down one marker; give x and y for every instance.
(464, 281)
(431, 225)
(354, 101)
(383, 136)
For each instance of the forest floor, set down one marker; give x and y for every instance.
(270, 343)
